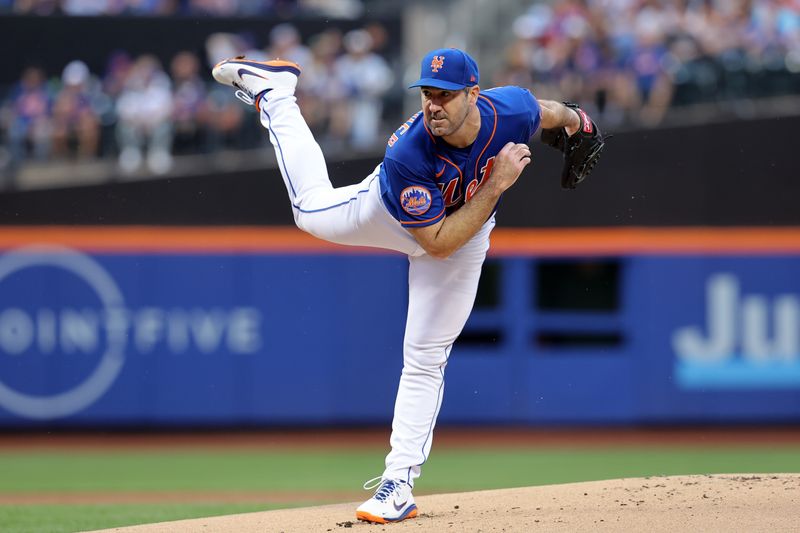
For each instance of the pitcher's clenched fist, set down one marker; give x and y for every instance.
(509, 164)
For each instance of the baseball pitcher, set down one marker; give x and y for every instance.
(433, 198)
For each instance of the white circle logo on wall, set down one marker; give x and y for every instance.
(112, 359)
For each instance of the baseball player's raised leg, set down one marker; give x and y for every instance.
(351, 215)
(441, 296)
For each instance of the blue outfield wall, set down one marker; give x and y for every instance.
(166, 339)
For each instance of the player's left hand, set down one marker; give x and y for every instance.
(581, 150)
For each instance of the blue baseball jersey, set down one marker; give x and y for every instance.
(424, 179)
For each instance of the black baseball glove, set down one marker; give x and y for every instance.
(581, 150)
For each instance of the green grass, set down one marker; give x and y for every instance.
(70, 518)
(448, 470)
(186, 470)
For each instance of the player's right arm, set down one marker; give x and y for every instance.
(443, 238)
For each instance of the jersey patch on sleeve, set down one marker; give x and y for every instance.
(415, 200)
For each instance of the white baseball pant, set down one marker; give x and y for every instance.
(441, 292)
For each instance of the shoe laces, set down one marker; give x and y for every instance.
(248, 98)
(372, 483)
(385, 487)
(244, 97)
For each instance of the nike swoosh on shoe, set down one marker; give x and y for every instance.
(284, 66)
(398, 507)
(242, 72)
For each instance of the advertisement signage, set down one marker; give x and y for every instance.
(298, 337)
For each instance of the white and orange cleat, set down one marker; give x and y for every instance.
(392, 502)
(254, 79)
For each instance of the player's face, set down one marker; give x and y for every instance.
(445, 111)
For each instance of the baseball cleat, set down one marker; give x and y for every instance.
(254, 79)
(392, 502)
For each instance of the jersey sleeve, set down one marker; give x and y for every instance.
(535, 111)
(411, 196)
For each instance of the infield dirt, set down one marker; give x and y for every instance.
(724, 503)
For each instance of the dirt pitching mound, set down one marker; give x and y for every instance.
(724, 503)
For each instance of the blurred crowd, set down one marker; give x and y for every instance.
(630, 60)
(285, 8)
(144, 113)
(626, 61)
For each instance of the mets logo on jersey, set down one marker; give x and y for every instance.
(415, 200)
(437, 63)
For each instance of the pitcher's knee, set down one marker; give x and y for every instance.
(300, 221)
(307, 223)
(303, 223)
(424, 362)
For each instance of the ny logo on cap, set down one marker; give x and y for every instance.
(437, 63)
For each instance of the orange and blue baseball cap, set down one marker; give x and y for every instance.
(448, 68)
